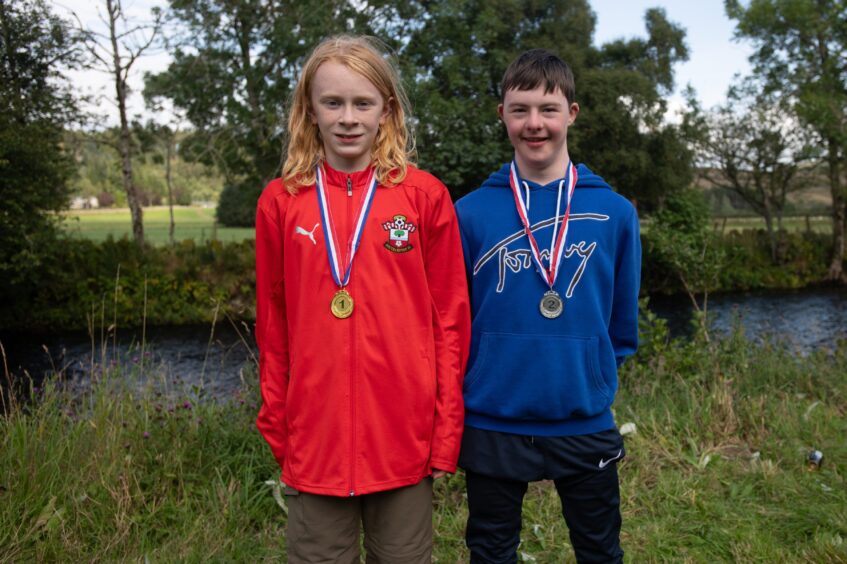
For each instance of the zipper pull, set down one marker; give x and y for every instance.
(349, 186)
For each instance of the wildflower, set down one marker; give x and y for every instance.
(186, 405)
(146, 435)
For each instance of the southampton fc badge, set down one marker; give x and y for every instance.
(398, 234)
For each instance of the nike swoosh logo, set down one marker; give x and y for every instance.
(604, 463)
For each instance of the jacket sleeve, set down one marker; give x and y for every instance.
(623, 326)
(271, 327)
(445, 271)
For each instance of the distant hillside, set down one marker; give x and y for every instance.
(814, 200)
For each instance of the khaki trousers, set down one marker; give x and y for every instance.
(397, 525)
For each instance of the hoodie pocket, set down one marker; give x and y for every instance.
(536, 378)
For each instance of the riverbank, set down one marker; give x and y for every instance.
(715, 470)
(82, 285)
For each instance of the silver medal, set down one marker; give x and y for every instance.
(551, 305)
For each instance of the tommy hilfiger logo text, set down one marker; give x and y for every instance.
(398, 234)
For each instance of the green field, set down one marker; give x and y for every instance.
(199, 224)
(190, 223)
(816, 223)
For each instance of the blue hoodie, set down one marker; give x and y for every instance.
(527, 374)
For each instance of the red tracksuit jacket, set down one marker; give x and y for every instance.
(372, 402)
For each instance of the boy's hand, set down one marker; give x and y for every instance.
(436, 474)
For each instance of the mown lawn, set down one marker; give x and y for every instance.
(199, 224)
(794, 224)
(715, 471)
(189, 223)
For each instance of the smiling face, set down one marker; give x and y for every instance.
(537, 124)
(348, 110)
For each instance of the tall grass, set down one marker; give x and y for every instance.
(714, 472)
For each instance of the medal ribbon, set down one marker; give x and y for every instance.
(341, 271)
(558, 244)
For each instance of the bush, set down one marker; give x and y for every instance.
(237, 204)
(79, 280)
(105, 200)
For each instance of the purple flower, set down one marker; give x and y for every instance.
(186, 405)
(146, 435)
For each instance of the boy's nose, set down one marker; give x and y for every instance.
(533, 120)
(348, 115)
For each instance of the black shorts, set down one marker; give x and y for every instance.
(531, 458)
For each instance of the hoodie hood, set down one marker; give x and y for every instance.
(585, 179)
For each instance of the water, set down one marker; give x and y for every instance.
(802, 320)
(176, 359)
(180, 358)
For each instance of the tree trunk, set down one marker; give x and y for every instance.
(768, 215)
(125, 142)
(170, 188)
(839, 212)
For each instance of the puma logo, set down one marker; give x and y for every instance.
(310, 234)
(604, 463)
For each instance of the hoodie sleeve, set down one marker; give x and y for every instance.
(271, 326)
(445, 271)
(623, 327)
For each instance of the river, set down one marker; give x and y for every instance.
(185, 359)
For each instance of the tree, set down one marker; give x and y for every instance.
(115, 53)
(801, 53)
(455, 57)
(234, 64)
(680, 237)
(754, 147)
(36, 46)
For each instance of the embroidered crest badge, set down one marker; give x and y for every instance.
(398, 234)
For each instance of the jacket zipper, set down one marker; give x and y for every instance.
(352, 368)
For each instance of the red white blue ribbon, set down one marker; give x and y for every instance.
(557, 244)
(339, 267)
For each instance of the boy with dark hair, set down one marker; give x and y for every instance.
(554, 259)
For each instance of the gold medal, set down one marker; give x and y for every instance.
(341, 305)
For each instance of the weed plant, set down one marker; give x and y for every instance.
(715, 469)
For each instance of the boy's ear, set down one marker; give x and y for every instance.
(573, 111)
(386, 110)
(500, 110)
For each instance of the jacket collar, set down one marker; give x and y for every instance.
(339, 178)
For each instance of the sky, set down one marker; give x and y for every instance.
(714, 58)
(713, 55)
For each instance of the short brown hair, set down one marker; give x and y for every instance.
(535, 67)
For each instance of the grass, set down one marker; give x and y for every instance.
(714, 473)
(199, 224)
(189, 223)
(793, 224)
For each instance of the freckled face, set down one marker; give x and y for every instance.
(348, 110)
(537, 124)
